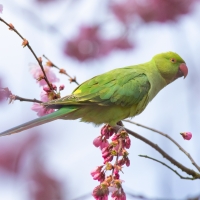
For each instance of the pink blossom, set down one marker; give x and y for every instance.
(115, 137)
(108, 159)
(105, 154)
(117, 43)
(61, 87)
(116, 171)
(107, 131)
(127, 162)
(54, 87)
(1, 8)
(100, 193)
(121, 162)
(99, 176)
(97, 141)
(117, 176)
(38, 74)
(89, 44)
(44, 96)
(119, 194)
(104, 144)
(186, 135)
(128, 143)
(150, 10)
(97, 170)
(85, 45)
(46, 88)
(41, 110)
(5, 93)
(105, 149)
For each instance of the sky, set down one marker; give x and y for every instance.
(68, 151)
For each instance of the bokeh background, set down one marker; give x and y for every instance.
(87, 38)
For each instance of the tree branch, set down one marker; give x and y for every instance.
(167, 136)
(11, 27)
(15, 97)
(191, 172)
(62, 71)
(145, 156)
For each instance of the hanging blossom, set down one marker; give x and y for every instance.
(1, 8)
(39, 76)
(113, 147)
(186, 135)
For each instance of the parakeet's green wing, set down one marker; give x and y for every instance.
(124, 87)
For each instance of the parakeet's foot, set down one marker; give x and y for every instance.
(119, 127)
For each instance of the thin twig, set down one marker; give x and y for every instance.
(167, 136)
(25, 99)
(62, 71)
(11, 27)
(145, 156)
(191, 172)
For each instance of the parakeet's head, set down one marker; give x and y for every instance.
(171, 66)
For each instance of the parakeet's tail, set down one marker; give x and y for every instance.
(39, 121)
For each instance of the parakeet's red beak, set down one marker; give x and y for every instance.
(183, 68)
(182, 71)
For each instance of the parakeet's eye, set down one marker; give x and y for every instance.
(173, 60)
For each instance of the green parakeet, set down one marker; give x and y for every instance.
(115, 95)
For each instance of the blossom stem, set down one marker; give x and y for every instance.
(53, 65)
(164, 154)
(182, 177)
(30, 48)
(28, 100)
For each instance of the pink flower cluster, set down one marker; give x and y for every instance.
(47, 93)
(5, 93)
(150, 10)
(39, 76)
(88, 44)
(113, 148)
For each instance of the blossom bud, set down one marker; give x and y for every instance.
(100, 192)
(108, 159)
(61, 87)
(62, 71)
(49, 63)
(106, 154)
(128, 143)
(25, 42)
(186, 135)
(46, 88)
(11, 27)
(105, 149)
(54, 87)
(115, 137)
(97, 141)
(104, 144)
(127, 162)
(40, 59)
(97, 170)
